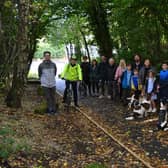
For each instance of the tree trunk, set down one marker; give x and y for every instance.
(20, 67)
(71, 49)
(78, 52)
(67, 52)
(86, 45)
(99, 23)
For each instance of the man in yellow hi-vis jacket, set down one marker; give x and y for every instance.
(72, 74)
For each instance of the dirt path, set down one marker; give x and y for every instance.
(66, 140)
(142, 135)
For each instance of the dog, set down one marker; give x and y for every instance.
(139, 107)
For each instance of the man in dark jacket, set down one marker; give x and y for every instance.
(47, 71)
(102, 72)
(137, 64)
(111, 70)
(144, 71)
(85, 67)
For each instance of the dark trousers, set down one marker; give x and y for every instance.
(49, 94)
(74, 89)
(87, 86)
(102, 86)
(112, 89)
(137, 94)
(95, 86)
(125, 94)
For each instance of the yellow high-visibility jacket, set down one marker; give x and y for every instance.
(72, 73)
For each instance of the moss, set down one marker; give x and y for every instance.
(41, 109)
(40, 91)
(95, 165)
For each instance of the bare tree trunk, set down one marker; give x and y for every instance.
(20, 67)
(86, 44)
(71, 49)
(67, 52)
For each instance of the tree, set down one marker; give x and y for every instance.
(20, 66)
(97, 15)
(32, 18)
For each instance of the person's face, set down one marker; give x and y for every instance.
(94, 62)
(147, 63)
(129, 67)
(73, 61)
(103, 58)
(164, 66)
(150, 74)
(136, 73)
(137, 58)
(85, 59)
(47, 56)
(111, 61)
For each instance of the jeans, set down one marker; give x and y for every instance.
(74, 89)
(49, 94)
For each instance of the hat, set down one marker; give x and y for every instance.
(73, 57)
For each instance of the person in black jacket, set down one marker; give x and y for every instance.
(85, 66)
(137, 64)
(102, 72)
(111, 70)
(94, 78)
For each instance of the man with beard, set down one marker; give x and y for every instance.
(137, 64)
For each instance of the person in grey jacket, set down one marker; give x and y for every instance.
(47, 71)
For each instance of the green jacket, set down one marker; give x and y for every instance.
(72, 73)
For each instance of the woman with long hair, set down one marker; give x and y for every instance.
(118, 75)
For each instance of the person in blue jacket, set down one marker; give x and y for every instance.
(126, 83)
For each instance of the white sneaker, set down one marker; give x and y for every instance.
(154, 110)
(109, 97)
(101, 96)
(129, 118)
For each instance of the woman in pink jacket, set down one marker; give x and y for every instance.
(118, 75)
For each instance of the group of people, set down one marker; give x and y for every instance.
(124, 79)
(121, 80)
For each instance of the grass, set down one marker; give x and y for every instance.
(95, 165)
